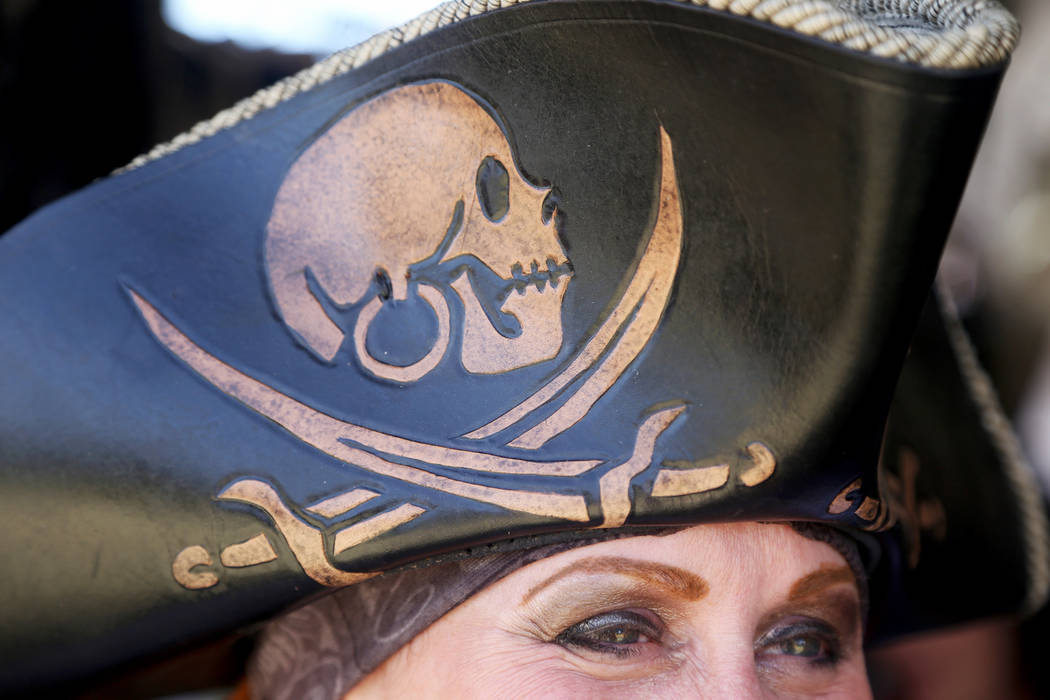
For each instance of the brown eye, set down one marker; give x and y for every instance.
(493, 185)
(811, 640)
(804, 646)
(611, 633)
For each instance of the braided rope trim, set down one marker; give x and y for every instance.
(1019, 473)
(946, 34)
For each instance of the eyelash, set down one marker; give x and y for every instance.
(599, 633)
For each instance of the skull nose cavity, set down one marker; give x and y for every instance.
(493, 187)
(384, 287)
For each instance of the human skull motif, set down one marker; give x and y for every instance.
(419, 189)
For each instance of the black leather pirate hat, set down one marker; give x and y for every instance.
(501, 273)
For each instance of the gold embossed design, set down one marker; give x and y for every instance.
(699, 479)
(615, 484)
(876, 514)
(900, 504)
(345, 502)
(329, 435)
(397, 190)
(868, 509)
(627, 328)
(183, 568)
(842, 502)
(328, 234)
(419, 368)
(306, 542)
(416, 193)
(307, 238)
(764, 465)
(255, 550)
(680, 482)
(323, 431)
(373, 527)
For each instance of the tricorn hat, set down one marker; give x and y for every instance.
(510, 271)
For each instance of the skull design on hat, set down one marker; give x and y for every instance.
(417, 193)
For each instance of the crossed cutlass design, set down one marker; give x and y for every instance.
(628, 326)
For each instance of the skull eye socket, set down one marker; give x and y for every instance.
(493, 185)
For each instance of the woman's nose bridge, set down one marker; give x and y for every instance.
(722, 674)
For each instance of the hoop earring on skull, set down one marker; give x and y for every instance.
(417, 370)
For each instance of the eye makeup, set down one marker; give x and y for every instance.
(616, 632)
(809, 639)
(611, 614)
(819, 629)
(565, 607)
(616, 619)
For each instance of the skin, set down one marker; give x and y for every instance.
(737, 611)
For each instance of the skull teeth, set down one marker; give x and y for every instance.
(537, 276)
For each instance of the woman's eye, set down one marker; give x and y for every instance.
(810, 640)
(802, 646)
(618, 633)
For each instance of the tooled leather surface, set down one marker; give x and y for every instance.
(813, 189)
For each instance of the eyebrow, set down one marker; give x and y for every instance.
(825, 577)
(810, 595)
(673, 581)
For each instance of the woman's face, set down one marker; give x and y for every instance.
(735, 611)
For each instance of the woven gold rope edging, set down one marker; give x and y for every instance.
(946, 34)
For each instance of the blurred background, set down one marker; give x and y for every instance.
(86, 86)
